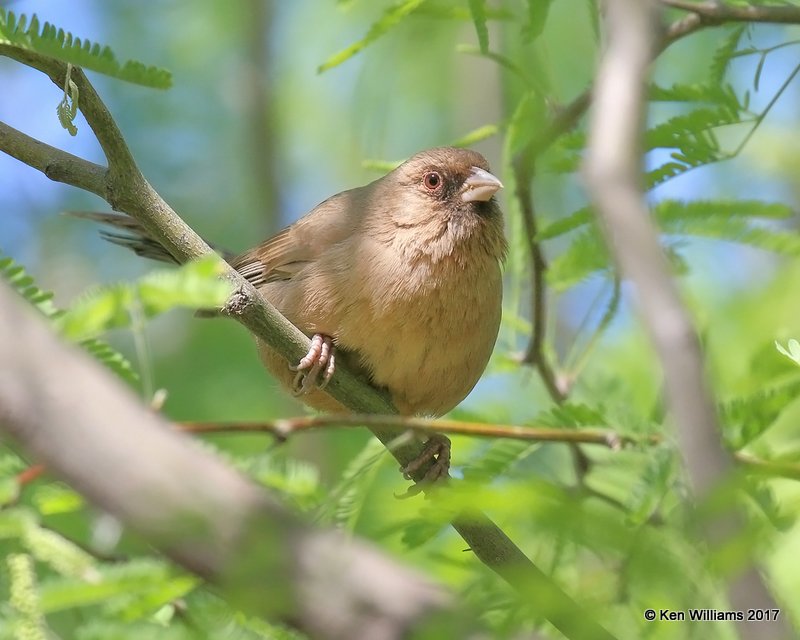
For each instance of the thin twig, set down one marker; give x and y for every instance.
(611, 311)
(761, 116)
(534, 354)
(285, 427)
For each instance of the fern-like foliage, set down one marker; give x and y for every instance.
(56, 43)
(739, 221)
(692, 142)
(195, 285)
(112, 359)
(390, 18)
(344, 504)
(24, 284)
(746, 417)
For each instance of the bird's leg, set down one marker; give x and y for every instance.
(321, 356)
(435, 453)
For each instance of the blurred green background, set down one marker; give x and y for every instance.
(251, 136)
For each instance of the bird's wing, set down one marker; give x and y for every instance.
(290, 250)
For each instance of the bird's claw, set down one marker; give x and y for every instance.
(433, 461)
(320, 359)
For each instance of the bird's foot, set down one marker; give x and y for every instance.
(434, 459)
(316, 368)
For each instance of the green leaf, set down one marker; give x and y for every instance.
(346, 501)
(715, 94)
(586, 255)
(499, 58)
(793, 352)
(24, 284)
(524, 123)
(133, 581)
(675, 210)
(63, 555)
(573, 414)
(112, 359)
(476, 135)
(195, 285)
(573, 221)
(652, 485)
(390, 18)
(747, 416)
(739, 231)
(478, 10)
(537, 16)
(56, 43)
(52, 498)
(67, 109)
(724, 53)
(667, 211)
(496, 459)
(19, 280)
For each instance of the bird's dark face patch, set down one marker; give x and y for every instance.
(437, 183)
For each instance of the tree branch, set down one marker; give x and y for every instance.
(534, 354)
(56, 402)
(716, 13)
(614, 176)
(56, 164)
(285, 427)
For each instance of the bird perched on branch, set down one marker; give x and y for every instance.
(401, 277)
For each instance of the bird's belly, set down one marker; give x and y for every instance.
(429, 350)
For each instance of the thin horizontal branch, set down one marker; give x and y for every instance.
(285, 427)
(186, 502)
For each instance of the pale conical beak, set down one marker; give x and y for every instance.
(480, 186)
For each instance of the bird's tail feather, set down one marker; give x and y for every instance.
(129, 233)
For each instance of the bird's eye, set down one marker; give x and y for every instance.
(432, 181)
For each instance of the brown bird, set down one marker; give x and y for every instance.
(401, 277)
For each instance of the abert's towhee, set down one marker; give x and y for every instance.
(402, 276)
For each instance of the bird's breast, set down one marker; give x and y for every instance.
(425, 329)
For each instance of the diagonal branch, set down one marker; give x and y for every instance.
(614, 176)
(56, 164)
